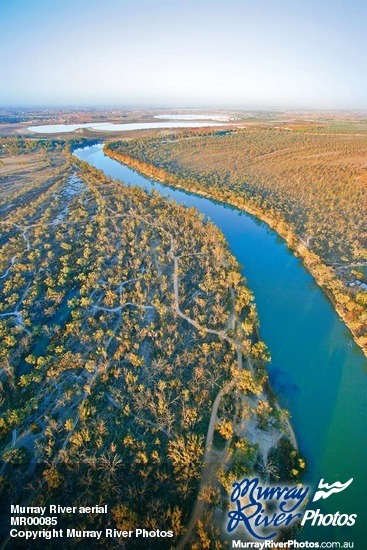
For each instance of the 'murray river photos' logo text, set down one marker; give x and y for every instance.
(263, 510)
(251, 499)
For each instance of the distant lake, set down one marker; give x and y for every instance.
(111, 127)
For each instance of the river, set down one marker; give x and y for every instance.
(317, 371)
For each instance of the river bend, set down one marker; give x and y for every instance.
(317, 371)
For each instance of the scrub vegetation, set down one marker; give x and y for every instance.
(131, 371)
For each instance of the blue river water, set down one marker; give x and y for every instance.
(317, 371)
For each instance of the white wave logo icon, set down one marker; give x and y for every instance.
(324, 490)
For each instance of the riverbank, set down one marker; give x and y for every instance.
(324, 275)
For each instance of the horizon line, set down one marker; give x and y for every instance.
(130, 106)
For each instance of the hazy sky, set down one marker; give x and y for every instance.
(240, 53)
